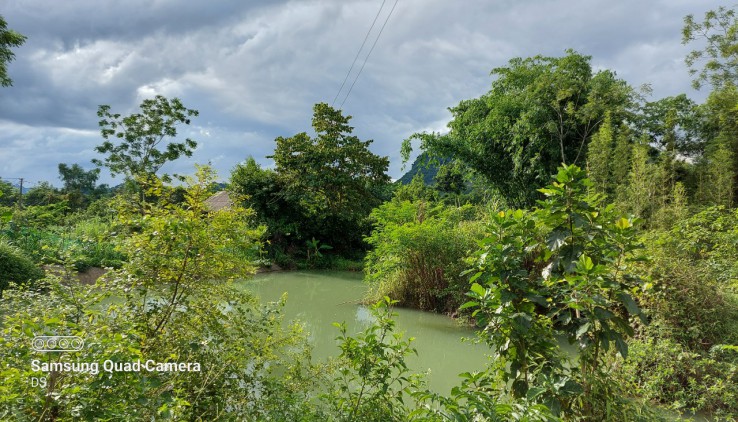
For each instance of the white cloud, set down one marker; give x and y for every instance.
(254, 69)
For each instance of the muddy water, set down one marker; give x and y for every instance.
(319, 299)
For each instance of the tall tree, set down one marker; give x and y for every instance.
(599, 157)
(8, 40)
(77, 179)
(334, 177)
(540, 112)
(141, 135)
(322, 188)
(674, 124)
(79, 184)
(719, 33)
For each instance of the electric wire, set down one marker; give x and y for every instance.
(369, 54)
(358, 53)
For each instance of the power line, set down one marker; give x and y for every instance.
(358, 53)
(370, 53)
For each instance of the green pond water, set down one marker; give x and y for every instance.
(319, 299)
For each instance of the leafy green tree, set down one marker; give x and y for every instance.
(170, 302)
(76, 179)
(565, 267)
(450, 179)
(79, 185)
(263, 191)
(540, 112)
(415, 190)
(8, 40)
(139, 137)
(719, 164)
(8, 193)
(327, 185)
(719, 32)
(599, 157)
(643, 194)
(673, 123)
(42, 194)
(621, 158)
(717, 181)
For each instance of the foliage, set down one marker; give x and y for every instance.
(718, 168)
(76, 179)
(8, 40)
(8, 193)
(15, 267)
(88, 243)
(565, 268)
(418, 251)
(683, 359)
(600, 157)
(138, 156)
(673, 120)
(416, 190)
(79, 185)
(372, 376)
(322, 188)
(479, 397)
(664, 371)
(170, 302)
(719, 32)
(540, 112)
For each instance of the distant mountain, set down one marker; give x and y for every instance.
(425, 166)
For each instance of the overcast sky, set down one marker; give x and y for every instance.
(254, 69)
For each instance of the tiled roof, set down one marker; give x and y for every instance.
(219, 201)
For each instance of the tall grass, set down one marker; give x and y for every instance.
(88, 243)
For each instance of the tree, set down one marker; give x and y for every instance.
(79, 184)
(42, 194)
(141, 135)
(8, 39)
(719, 31)
(599, 157)
(263, 191)
(564, 268)
(8, 193)
(673, 124)
(76, 179)
(540, 112)
(334, 178)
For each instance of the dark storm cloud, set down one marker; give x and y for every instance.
(254, 69)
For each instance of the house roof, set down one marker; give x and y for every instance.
(219, 201)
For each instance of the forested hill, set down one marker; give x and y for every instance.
(425, 166)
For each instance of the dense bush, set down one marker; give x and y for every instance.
(664, 371)
(418, 253)
(15, 267)
(87, 244)
(170, 302)
(562, 269)
(686, 358)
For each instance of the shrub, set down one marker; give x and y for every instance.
(87, 244)
(418, 253)
(15, 267)
(662, 370)
(685, 358)
(566, 269)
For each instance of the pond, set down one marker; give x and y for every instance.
(320, 298)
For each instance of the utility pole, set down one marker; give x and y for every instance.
(20, 197)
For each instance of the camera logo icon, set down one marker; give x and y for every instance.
(57, 343)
